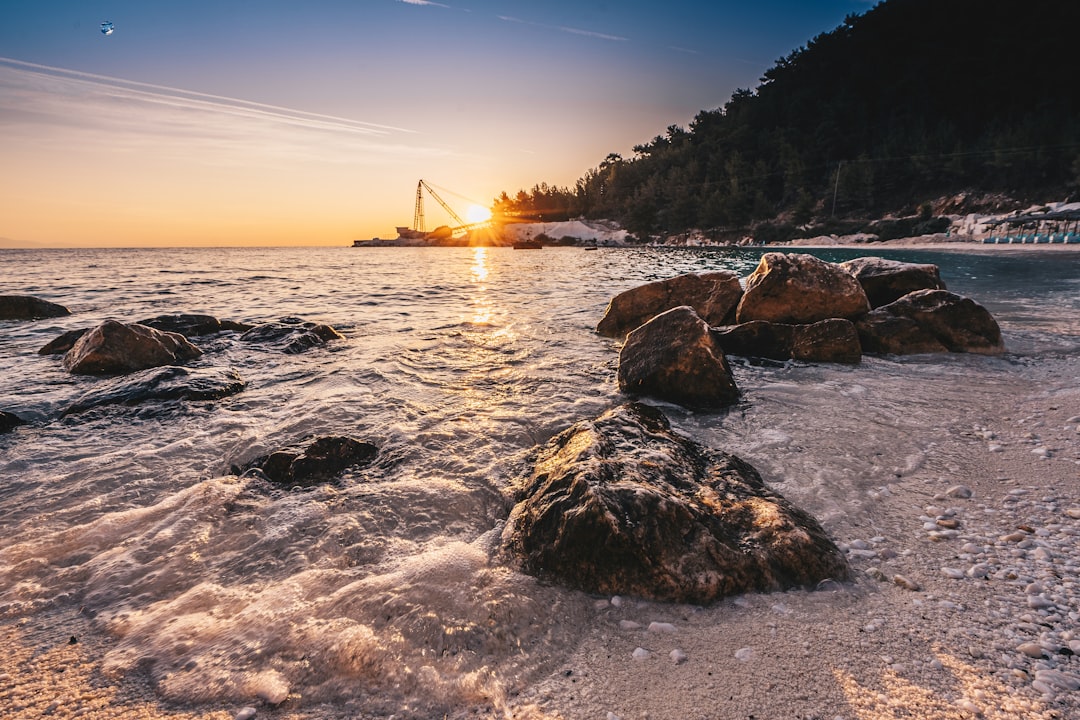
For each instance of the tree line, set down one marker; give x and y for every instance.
(911, 100)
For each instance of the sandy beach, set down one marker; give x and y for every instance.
(965, 604)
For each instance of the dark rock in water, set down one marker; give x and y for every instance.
(885, 281)
(9, 421)
(800, 289)
(166, 383)
(115, 348)
(833, 340)
(62, 344)
(194, 325)
(930, 321)
(27, 307)
(713, 296)
(675, 357)
(318, 462)
(292, 335)
(622, 504)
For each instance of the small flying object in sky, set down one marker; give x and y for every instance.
(106, 28)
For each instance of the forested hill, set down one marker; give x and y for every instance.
(912, 100)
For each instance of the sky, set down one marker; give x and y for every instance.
(275, 122)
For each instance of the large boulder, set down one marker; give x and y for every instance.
(675, 357)
(800, 289)
(115, 348)
(624, 505)
(930, 321)
(165, 383)
(291, 335)
(713, 296)
(320, 461)
(194, 325)
(832, 340)
(886, 280)
(27, 307)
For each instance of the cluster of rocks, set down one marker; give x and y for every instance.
(319, 461)
(794, 306)
(144, 360)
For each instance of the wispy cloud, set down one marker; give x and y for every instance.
(688, 51)
(564, 28)
(37, 101)
(423, 2)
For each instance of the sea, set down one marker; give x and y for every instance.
(384, 593)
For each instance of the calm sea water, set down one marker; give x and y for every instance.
(383, 594)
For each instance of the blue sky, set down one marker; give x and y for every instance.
(294, 123)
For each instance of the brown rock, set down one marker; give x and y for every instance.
(27, 307)
(115, 348)
(62, 344)
(675, 357)
(320, 461)
(930, 321)
(713, 296)
(291, 335)
(832, 340)
(800, 289)
(621, 504)
(194, 325)
(885, 281)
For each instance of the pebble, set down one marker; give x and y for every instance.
(906, 583)
(744, 654)
(1073, 512)
(661, 627)
(953, 573)
(641, 654)
(1058, 679)
(246, 713)
(678, 656)
(959, 491)
(616, 601)
(612, 716)
(1031, 649)
(968, 706)
(629, 625)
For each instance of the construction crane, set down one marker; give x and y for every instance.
(418, 213)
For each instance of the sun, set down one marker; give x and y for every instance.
(477, 214)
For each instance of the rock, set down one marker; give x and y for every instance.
(27, 307)
(622, 504)
(165, 383)
(9, 421)
(113, 348)
(318, 462)
(193, 325)
(930, 321)
(800, 289)
(832, 340)
(246, 713)
(678, 656)
(712, 295)
(292, 335)
(675, 357)
(62, 344)
(885, 281)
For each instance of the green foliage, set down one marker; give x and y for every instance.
(911, 100)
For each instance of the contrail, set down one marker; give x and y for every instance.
(171, 95)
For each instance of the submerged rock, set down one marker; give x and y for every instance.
(27, 307)
(833, 340)
(318, 462)
(886, 281)
(712, 295)
(622, 504)
(9, 421)
(675, 357)
(166, 383)
(62, 344)
(193, 325)
(292, 335)
(930, 321)
(800, 289)
(114, 348)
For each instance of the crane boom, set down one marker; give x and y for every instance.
(420, 206)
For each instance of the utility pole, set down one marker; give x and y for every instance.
(836, 187)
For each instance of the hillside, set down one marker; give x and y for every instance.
(910, 101)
